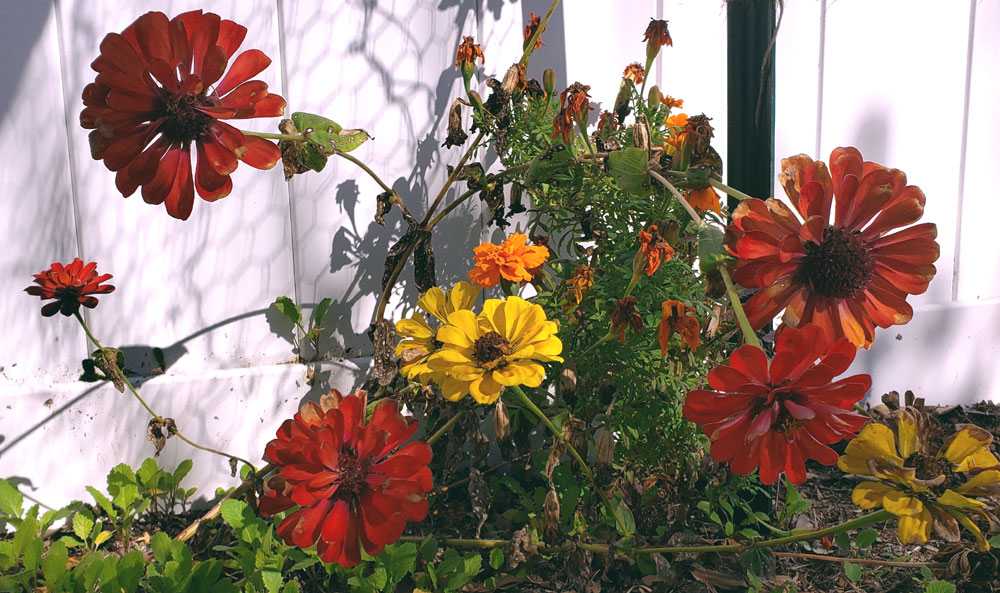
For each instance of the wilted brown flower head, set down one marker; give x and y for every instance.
(574, 99)
(468, 52)
(635, 72)
(699, 132)
(530, 28)
(625, 316)
(606, 121)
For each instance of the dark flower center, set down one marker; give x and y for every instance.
(353, 472)
(490, 350)
(928, 467)
(181, 121)
(838, 267)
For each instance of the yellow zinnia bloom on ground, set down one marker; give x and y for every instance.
(925, 490)
(502, 346)
(419, 338)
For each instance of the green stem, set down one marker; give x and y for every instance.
(445, 428)
(269, 136)
(605, 338)
(572, 451)
(858, 523)
(680, 198)
(530, 44)
(468, 194)
(150, 410)
(586, 139)
(364, 168)
(732, 191)
(455, 172)
(749, 335)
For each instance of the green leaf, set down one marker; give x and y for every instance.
(130, 569)
(11, 500)
(272, 580)
(626, 516)
(551, 165)
(122, 486)
(103, 502)
(940, 587)
(711, 251)
(289, 309)
(327, 135)
(161, 545)
(83, 522)
(54, 563)
(378, 578)
(866, 538)
(852, 571)
(995, 541)
(32, 553)
(402, 560)
(232, 512)
(319, 313)
(496, 558)
(428, 548)
(147, 471)
(628, 168)
(182, 470)
(843, 541)
(291, 587)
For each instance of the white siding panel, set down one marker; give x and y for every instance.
(36, 210)
(979, 259)
(798, 72)
(894, 87)
(197, 288)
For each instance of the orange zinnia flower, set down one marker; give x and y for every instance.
(467, 53)
(529, 30)
(654, 249)
(635, 72)
(704, 200)
(848, 275)
(625, 316)
(677, 316)
(670, 102)
(512, 260)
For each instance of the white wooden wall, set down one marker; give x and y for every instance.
(200, 289)
(913, 84)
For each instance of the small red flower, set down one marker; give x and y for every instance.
(345, 479)
(777, 415)
(70, 285)
(162, 86)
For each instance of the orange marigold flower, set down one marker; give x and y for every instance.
(606, 122)
(839, 267)
(676, 124)
(70, 286)
(530, 28)
(625, 316)
(159, 100)
(657, 34)
(677, 316)
(635, 72)
(512, 260)
(654, 249)
(575, 101)
(562, 125)
(468, 52)
(704, 199)
(670, 102)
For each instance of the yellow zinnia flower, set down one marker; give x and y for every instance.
(420, 339)
(925, 490)
(502, 346)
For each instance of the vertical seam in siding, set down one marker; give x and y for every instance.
(70, 153)
(819, 81)
(962, 151)
(292, 225)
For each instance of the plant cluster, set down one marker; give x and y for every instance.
(622, 397)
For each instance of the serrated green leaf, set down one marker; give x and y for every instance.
(866, 538)
(852, 571)
(940, 587)
(161, 546)
(289, 309)
(402, 560)
(843, 541)
(496, 558)
(31, 553)
(291, 587)
(232, 512)
(626, 516)
(11, 500)
(129, 571)
(83, 522)
(147, 472)
(272, 580)
(103, 502)
(428, 548)
(628, 167)
(54, 563)
(379, 578)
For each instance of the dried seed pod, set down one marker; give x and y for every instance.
(551, 512)
(501, 421)
(640, 134)
(567, 378)
(605, 448)
(509, 83)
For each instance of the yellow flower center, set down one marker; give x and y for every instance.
(490, 350)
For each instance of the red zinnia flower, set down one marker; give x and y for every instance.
(69, 285)
(341, 473)
(776, 416)
(160, 88)
(848, 276)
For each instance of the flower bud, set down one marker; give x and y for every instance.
(549, 81)
(476, 100)
(501, 421)
(653, 97)
(640, 134)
